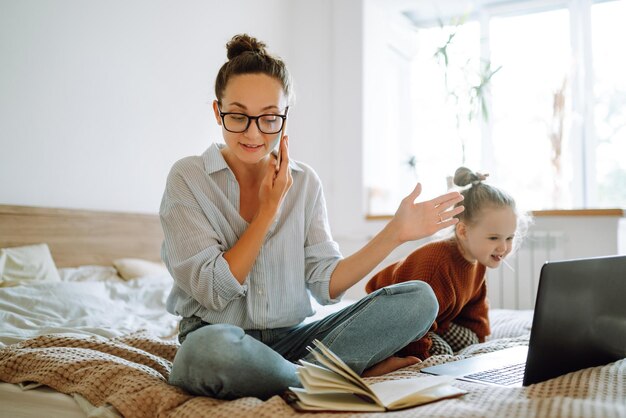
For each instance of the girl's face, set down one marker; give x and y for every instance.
(253, 95)
(490, 239)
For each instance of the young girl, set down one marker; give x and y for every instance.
(247, 239)
(455, 268)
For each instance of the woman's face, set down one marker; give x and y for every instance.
(253, 95)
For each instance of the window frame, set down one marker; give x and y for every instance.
(582, 140)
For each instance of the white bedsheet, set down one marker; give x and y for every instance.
(94, 300)
(110, 307)
(40, 402)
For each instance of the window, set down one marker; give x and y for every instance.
(609, 88)
(530, 91)
(531, 102)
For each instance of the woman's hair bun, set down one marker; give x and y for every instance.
(464, 176)
(244, 43)
(248, 55)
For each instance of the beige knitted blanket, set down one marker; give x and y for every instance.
(130, 373)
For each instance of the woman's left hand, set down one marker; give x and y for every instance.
(416, 220)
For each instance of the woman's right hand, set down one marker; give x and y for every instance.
(276, 184)
(274, 188)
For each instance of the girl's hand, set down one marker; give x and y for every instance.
(276, 184)
(414, 221)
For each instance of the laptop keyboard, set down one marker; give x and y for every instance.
(509, 375)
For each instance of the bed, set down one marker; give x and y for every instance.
(95, 340)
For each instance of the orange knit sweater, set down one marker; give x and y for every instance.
(459, 286)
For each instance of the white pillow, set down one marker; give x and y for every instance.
(131, 268)
(90, 273)
(28, 263)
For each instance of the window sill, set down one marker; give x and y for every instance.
(613, 212)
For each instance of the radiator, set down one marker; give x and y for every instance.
(515, 286)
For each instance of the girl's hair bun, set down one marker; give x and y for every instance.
(240, 44)
(464, 176)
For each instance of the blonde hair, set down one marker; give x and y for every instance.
(479, 196)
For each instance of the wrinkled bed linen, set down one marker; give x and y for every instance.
(97, 354)
(107, 308)
(130, 373)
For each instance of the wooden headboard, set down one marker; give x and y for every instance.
(82, 237)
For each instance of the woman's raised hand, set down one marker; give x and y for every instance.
(416, 220)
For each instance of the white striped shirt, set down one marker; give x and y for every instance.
(201, 220)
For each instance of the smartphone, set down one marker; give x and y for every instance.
(279, 154)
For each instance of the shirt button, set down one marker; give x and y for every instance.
(260, 292)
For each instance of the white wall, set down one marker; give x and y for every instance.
(98, 99)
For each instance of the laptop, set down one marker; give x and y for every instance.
(579, 322)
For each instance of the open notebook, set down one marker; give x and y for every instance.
(332, 385)
(579, 322)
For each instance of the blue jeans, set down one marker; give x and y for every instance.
(226, 362)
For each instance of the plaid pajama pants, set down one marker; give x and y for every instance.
(451, 341)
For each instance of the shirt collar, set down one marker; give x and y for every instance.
(214, 161)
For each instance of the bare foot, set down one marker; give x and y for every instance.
(390, 364)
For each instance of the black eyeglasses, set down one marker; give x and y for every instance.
(240, 122)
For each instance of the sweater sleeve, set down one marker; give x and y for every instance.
(413, 267)
(439, 281)
(383, 278)
(423, 264)
(475, 315)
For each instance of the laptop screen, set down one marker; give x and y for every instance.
(580, 317)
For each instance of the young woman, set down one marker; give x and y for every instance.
(455, 268)
(247, 238)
